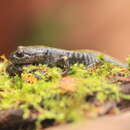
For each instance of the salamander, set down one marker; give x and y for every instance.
(58, 57)
(53, 56)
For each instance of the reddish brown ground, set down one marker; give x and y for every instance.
(102, 25)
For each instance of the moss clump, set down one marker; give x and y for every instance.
(49, 94)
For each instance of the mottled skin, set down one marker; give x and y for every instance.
(58, 57)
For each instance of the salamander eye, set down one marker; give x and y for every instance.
(19, 54)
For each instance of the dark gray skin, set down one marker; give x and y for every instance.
(58, 57)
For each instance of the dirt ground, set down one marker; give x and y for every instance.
(119, 122)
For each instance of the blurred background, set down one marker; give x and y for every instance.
(70, 24)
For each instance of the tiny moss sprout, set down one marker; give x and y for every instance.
(128, 61)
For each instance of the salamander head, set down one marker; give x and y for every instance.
(28, 55)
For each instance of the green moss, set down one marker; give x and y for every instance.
(40, 87)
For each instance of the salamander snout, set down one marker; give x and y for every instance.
(17, 56)
(28, 55)
(19, 52)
